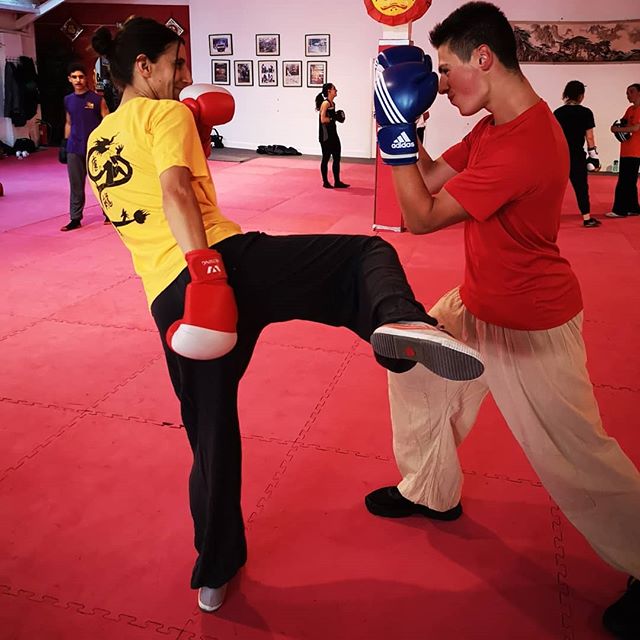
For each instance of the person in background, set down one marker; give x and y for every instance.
(578, 123)
(84, 111)
(625, 201)
(110, 91)
(328, 135)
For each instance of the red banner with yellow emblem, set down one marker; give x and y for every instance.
(396, 12)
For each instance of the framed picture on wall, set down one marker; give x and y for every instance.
(243, 75)
(71, 29)
(316, 73)
(220, 72)
(577, 42)
(292, 73)
(267, 73)
(175, 26)
(220, 44)
(316, 45)
(268, 44)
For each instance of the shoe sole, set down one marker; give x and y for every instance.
(448, 359)
(416, 510)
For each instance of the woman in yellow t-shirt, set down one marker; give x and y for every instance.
(147, 167)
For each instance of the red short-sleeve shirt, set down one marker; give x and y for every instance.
(631, 147)
(511, 181)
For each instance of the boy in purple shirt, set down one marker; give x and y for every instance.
(84, 111)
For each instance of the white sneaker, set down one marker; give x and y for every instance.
(613, 214)
(211, 599)
(435, 349)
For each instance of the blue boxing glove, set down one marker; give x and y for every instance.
(405, 88)
(399, 54)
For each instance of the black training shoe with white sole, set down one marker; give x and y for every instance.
(435, 349)
(388, 502)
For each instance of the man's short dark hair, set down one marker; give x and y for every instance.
(473, 24)
(76, 66)
(573, 90)
(635, 85)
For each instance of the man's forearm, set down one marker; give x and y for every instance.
(425, 162)
(414, 198)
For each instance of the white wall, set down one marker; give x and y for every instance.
(266, 115)
(13, 45)
(286, 115)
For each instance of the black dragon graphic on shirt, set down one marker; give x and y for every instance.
(107, 168)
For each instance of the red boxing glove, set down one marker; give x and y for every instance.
(207, 329)
(211, 105)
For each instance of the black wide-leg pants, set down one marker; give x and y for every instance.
(626, 194)
(350, 281)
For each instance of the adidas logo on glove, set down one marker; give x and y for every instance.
(403, 141)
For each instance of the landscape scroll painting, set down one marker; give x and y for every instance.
(575, 42)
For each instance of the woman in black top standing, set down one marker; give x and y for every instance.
(578, 124)
(328, 135)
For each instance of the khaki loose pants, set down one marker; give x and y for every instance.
(541, 385)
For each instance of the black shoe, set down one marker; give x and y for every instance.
(70, 226)
(390, 503)
(342, 185)
(591, 222)
(327, 185)
(622, 618)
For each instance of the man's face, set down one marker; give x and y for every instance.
(462, 82)
(78, 81)
(633, 95)
(170, 73)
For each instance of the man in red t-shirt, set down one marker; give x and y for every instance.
(625, 202)
(519, 305)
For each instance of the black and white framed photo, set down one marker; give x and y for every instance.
(268, 44)
(71, 29)
(243, 75)
(316, 73)
(267, 73)
(292, 73)
(175, 26)
(220, 44)
(220, 72)
(317, 45)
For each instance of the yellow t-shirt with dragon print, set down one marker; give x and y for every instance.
(126, 154)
